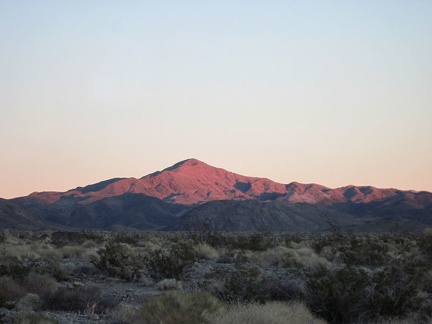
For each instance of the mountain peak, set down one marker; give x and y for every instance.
(186, 163)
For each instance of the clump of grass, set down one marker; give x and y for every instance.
(270, 257)
(122, 313)
(206, 252)
(178, 308)
(73, 251)
(270, 313)
(304, 257)
(169, 284)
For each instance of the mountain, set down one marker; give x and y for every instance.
(130, 210)
(188, 182)
(14, 217)
(192, 190)
(193, 182)
(246, 215)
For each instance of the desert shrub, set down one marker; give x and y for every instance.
(270, 257)
(353, 250)
(2, 236)
(424, 243)
(338, 296)
(350, 294)
(4, 304)
(169, 284)
(184, 250)
(15, 269)
(282, 289)
(303, 258)
(162, 264)
(34, 318)
(242, 285)
(151, 245)
(50, 252)
(61, 239)
(55, 269)
(40, 284)
(10, 290)
(239, 257)
(178, 308)
(249, 284)
(87, 299)
(260, 240)
(366, 250)
(128, 238)
(122, 314)
(89, 244)
(72, 251)
(20, 269)
(118, 260)
(270, 313)
(204, 233)
(335, 238)
(86, 270)
(291, 238)
(206, 252)
(30, 302)
(396, 292)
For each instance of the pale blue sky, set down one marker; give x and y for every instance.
(331, 92)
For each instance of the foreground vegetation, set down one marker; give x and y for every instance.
(210, 277)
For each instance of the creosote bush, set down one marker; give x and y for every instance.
(339, 296)
(243, 285)
(170, 264)
(119, 260)
(350, 294)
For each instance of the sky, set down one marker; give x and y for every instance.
(328, 92)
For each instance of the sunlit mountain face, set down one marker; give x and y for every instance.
(160, 199)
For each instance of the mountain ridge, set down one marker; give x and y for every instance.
(192, 193)
(192, 182)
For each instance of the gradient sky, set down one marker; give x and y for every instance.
(330, 92)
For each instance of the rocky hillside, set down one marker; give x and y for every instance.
(15, 217)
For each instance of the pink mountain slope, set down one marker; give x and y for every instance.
(194, 182)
